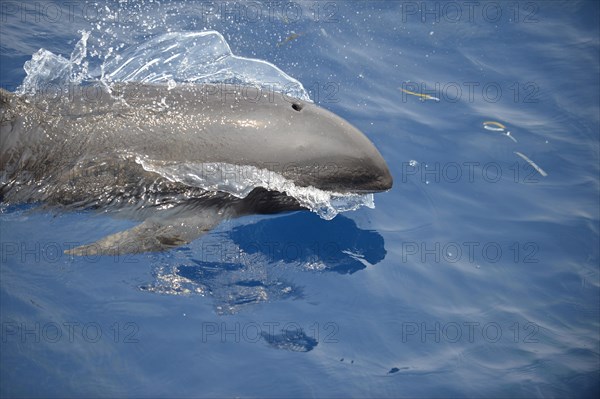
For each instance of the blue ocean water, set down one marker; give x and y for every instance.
(475, 276)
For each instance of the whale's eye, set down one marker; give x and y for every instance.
(297, 106)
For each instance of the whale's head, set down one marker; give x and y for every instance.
(329, 153)
(303, 142)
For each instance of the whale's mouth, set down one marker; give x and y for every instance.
(367, 181)
(241, 180)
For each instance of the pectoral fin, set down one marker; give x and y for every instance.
(153, 235)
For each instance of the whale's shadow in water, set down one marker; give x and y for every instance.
(254, 263)
(338, 244)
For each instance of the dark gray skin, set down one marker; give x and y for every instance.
(77, 149)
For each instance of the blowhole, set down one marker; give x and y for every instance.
(297, 106)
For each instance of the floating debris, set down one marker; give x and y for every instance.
(292, 36)
(511, 137)
(34, 303)
(394, 370)
(533, 164)
(421, 96)
(494, 126)
(498, 127)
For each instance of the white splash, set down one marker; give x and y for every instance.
(240, 180)
(46, 69)
(170, 58)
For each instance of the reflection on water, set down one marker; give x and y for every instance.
(253, 263)
(292, 340)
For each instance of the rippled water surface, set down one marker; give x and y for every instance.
(475, 276)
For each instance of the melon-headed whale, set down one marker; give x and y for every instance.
(119, 148)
